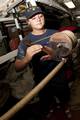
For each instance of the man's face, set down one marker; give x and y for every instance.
(37, 22)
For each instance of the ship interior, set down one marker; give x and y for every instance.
(18, 97)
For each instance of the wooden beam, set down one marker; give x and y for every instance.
(8, 56)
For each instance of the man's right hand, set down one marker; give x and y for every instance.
(32, 50)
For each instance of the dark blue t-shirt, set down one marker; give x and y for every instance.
(33, 38)
(40, 68)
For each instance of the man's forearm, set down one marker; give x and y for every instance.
(21, 64)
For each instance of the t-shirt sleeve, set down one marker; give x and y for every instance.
(21, 50)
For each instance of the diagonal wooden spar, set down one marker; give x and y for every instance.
(8, 56)
(32, 93)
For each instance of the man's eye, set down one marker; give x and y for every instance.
(41, 16)
(33, 18)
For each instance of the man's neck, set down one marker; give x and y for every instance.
(38, 32)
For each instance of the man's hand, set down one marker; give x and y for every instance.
(32, 50)
(49, 52)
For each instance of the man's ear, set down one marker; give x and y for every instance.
(29, 25)
(28, 22)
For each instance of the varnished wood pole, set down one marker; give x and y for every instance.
(10, 113)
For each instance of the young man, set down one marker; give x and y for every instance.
(35, 50)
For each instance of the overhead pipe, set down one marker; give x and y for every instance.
(53, 4)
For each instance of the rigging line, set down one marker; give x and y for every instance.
(41, 39)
